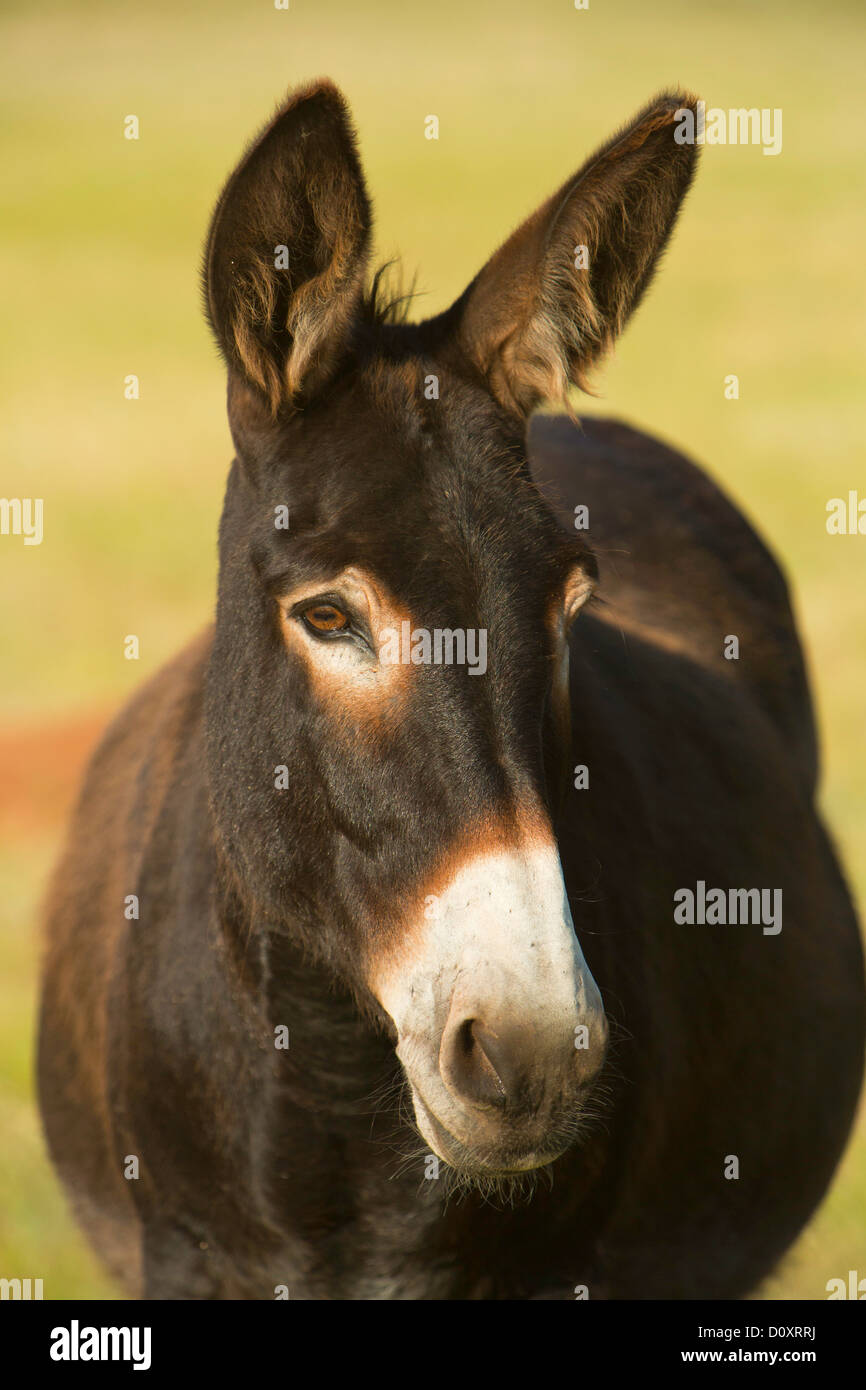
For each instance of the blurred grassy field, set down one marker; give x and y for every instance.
(100, 251)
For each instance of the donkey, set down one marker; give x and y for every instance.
(322, 1004)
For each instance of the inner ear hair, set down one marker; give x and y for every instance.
(553, 298)
(287, 252)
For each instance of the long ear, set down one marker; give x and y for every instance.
(552, 299)
(287, 250)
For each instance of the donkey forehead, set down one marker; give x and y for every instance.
(378, 425)
(433, 547)
(433, 493)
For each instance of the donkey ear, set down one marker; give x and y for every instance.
(287, 250)
(552, 299)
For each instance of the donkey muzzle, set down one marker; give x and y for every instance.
(501, 1028)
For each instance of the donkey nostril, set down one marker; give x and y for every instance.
(470, 1063)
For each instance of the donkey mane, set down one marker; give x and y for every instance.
(386, 302)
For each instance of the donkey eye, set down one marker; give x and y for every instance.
(325, 618)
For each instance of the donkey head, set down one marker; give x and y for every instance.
(388, 706)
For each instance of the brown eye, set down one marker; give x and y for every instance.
(325, 617)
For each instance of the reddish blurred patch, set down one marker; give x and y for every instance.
(42, 767)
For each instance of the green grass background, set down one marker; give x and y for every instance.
(101, 239)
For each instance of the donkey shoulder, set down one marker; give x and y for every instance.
(679, 565)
